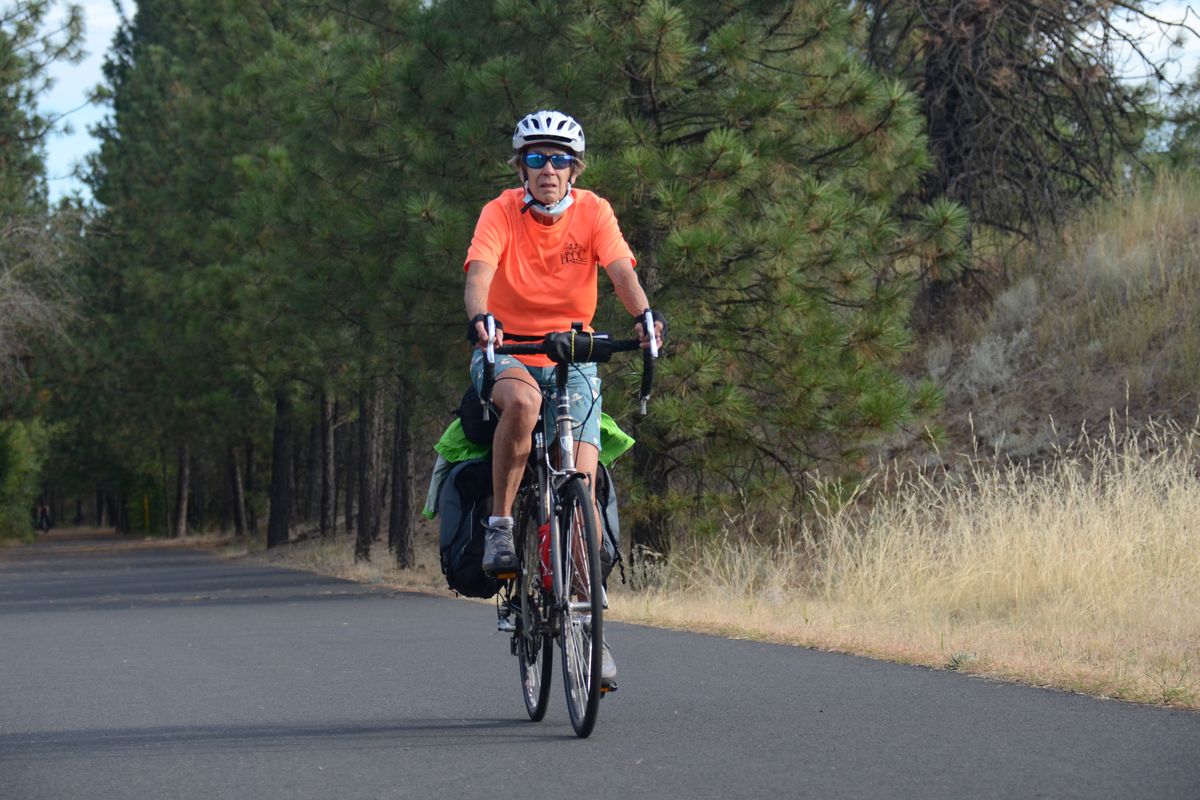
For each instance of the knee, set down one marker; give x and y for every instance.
(525, 405)
(521, 404)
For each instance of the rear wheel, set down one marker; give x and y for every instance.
(582, 613)
(534, 646)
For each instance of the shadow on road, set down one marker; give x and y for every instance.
(434, 733)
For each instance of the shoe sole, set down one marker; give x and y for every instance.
(505, 570)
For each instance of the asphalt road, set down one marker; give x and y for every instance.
(129, 670)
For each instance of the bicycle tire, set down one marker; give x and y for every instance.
(535, 647)
(582, 627)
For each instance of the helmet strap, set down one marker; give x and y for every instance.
(552, 210)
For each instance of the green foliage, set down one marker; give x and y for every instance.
(33, 244)
(26, 52)
(1027, 105)
(23, 449)
(287, 194)
(755, 165)
(1183, 144)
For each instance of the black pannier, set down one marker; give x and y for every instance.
(464, 505)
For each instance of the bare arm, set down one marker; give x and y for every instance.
(632, 295)
(479, 283)
(628, 287)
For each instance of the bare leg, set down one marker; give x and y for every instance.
(587, 460)
(516, 394)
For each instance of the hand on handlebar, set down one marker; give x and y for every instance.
(660, 329)
(477, 332)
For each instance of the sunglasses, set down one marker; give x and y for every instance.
(538, 160)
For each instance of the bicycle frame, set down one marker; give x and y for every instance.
(569, 606)
(551, 479)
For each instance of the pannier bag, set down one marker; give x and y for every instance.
(464, 504)
(606, 496)
(460, 493)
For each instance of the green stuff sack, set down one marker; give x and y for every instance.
(614, 442)
(454, 446)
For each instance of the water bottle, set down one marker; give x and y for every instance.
(544, 550)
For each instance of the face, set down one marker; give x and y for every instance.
(548, 184)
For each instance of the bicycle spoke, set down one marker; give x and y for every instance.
(533, 646)
(581, 609)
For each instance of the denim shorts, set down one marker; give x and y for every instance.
(583, 387)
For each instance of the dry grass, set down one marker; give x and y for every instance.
(1101, 320)
(335, 556)
(1128, 278)
(1083, 573)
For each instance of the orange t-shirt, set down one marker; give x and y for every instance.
(545, 274)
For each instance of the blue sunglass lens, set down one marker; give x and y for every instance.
(538, 160)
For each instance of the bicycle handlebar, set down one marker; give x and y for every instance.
(571, 347)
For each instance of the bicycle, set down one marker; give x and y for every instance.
(557, 591)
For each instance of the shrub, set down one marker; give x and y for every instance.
(22, 454)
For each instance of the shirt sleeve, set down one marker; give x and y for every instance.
(610, 244)
(491, 234)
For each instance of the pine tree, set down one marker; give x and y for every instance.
(1028, 104)
(755, 164)
(163, 243)
(33, 243)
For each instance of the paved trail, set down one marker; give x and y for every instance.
(129, 670)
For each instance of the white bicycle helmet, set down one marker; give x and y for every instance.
(548, 127)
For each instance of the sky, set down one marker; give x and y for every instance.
(75, 82)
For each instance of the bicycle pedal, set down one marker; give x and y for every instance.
(506, 576)
(612, 687)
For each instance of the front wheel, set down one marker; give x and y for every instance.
(534, 646)
(582, 607)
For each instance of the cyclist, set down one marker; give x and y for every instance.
(533, 264)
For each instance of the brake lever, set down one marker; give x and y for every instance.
(489, 368)
(648, 357)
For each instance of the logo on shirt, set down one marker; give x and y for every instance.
(574, 254)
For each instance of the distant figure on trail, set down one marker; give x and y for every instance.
(43, 518)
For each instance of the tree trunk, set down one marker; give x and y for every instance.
(293, 468)
(251, 488)
(328, 470)
(166, 502)
(182, 489)
(401, 512)
(115, 517)
(238, 492)
(312, 482)
(349, 471)
(281, 461)
(368, 472)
